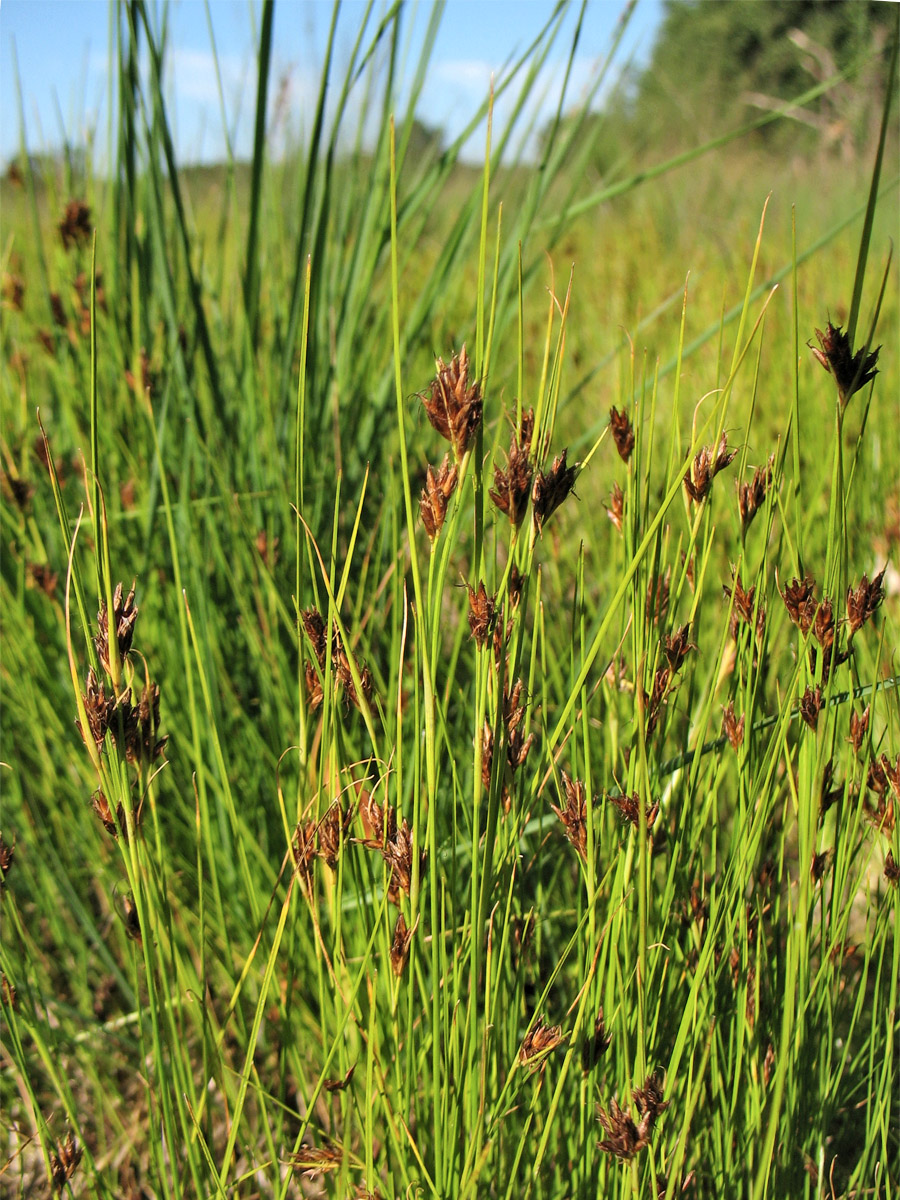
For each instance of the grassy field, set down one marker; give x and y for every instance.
(487, 785)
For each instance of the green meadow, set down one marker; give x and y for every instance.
(450, 712)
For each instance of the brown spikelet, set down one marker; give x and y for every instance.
(512, 487)
(629, 809)
(859, 727)
(551, 489)
(539, 1041)
(799, 599)
(751, 496)
(340, 1084)
(64, 1161)
(400, 944)
(623, 433)
(573, 813)
(453, 405)
(314, 628)
(333, 833)
(851, 371)
(482, 614)
(101, 807)
(732, 728)
(312, 1162)
(891, 869)
(439, 487)
(811, 705)
(864, 601)
(75, 228)
(706, 466)
(595, 1046)
(742, 609)
(676, 648)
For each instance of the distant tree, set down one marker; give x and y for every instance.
(718, 62)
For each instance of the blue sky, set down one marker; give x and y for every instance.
(61, 48)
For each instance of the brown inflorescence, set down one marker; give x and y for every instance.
(859, 727)
(64, 1161)
(752, 495)
(551, 489)
(799, 599)
(125, 614)
(595, 1045)
(676, 648)
(333, 833)
(539, 1041)
(512, 487)
(439, 487)
(851, 371)
(811, 705)
(863, 601)
(482, 614)
(573, 813)
(706, 466)
(623, 433)
(732, 728)
(75, 228)
(453, 405)
(629, 809)
(400, 944)
(625, 1138)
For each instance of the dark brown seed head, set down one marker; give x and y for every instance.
(101, 807)
(811, 706)
(706, 466)
(452, 405)
(539, 1041)
(314, 628)
(648, 1100)
(125, 614)
(596, 1045)
(439, 487)
(623, 1139)
(743, 603)
(398, 854)
(751, 495)
(818, 865)
(623, 433)
(379, 823)
(864, 601)
(732, 728)
(132, 921)
(512, 486)
(573, 813)
(75, 228)
(823, 627)
(550, 490)
(891, 869)
(314, 692)
(400, 944)
(799, 599)
(64, 1162)
(338, 1085)
(333, 832)
(615, 510)
(98, 707)
(859, 726)
(654, 700)
(482, 614)
(851, 371)
(677, 647)
(629, 809)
